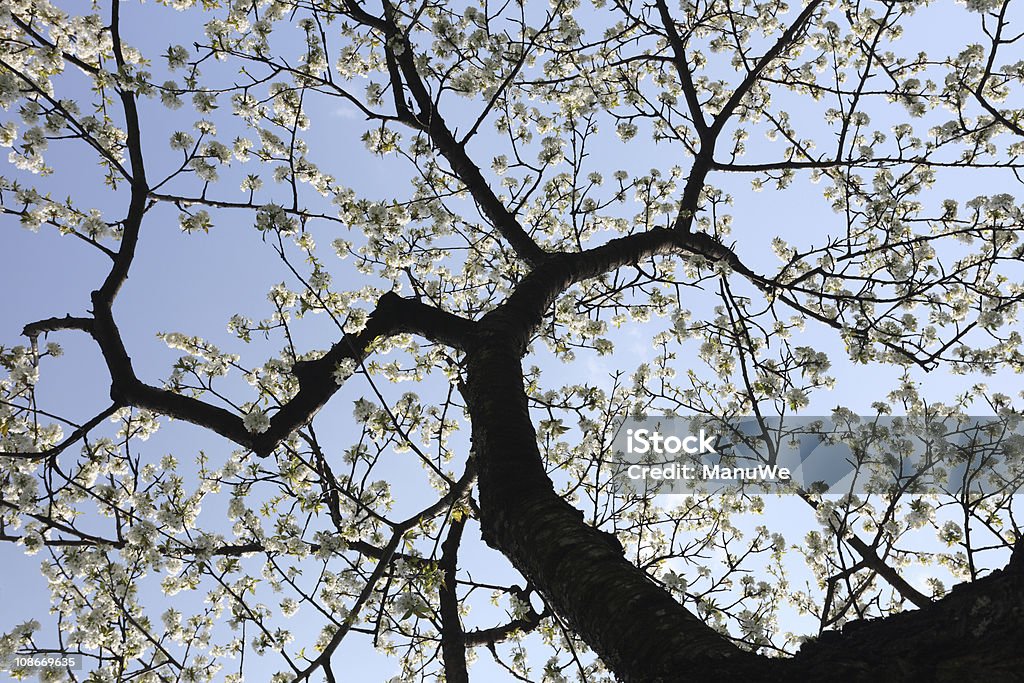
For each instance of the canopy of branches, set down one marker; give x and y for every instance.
(455, 244)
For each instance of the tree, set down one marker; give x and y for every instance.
(514, 227)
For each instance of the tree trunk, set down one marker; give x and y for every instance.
(637, 628)
(642, 633)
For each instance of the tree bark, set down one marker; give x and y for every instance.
(972, 634)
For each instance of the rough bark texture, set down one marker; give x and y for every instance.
(972, 634)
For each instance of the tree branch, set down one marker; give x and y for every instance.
(682, 66)
(524, 624)
(458, 491)
(430, 120)
(77, 434)
(453, 645)
(393, 315)
(784, 41)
